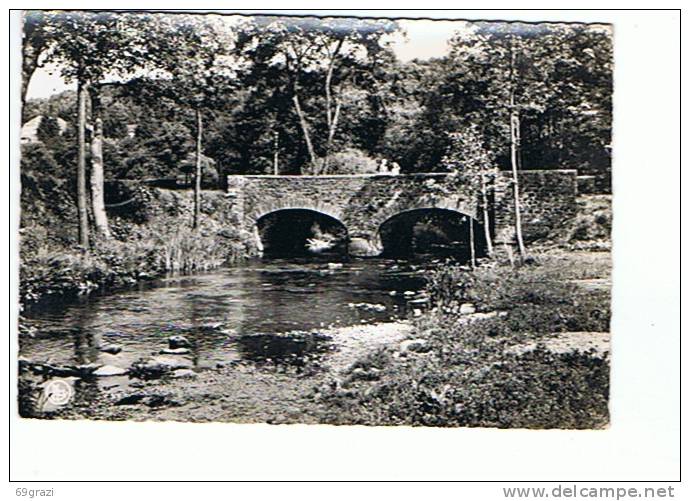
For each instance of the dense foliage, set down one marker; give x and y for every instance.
(285, 94)
(152, 235)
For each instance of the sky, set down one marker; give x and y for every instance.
(425, 39)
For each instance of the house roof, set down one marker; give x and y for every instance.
(29, 132)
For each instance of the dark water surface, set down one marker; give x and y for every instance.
(229, 314)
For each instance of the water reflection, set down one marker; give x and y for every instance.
(227, 315)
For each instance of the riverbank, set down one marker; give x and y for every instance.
(239, 392)
(499, 347)
(151, 235)
(534, 355)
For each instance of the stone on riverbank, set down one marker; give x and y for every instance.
(596, 343)
(355, 341)
(158, 366)
(174, 351)
(415, 345)
(175, 342)
(47, 369)
(467, 309)
(148, 400)
(360, 374)
(109, 370)
(113, 349)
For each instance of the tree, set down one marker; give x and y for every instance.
(81, 166)
(59, 33)
(90, 48)
(473, 167)
(421, 112)
(323, 56)
(37, 40)
(541, 92)
(36, 158)
(196, 52)
(48, 130)
(507, 66)
(347, 47)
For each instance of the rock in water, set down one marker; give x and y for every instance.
(183, 373)
(113, 349)
(109, 370)
(363, 248)
(467, 309)
(421, 300)
(174, 351)
(417, 345)
(158, 366)
(367, 306)
(175, 342)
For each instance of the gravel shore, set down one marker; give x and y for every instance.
(240, 393)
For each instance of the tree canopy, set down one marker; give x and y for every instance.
(299, 95)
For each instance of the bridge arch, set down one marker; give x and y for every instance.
(296, 231)
(433, 230)
(291, 202)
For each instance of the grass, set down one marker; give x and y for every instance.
(149, 239)
(591, 228)
(466, 375)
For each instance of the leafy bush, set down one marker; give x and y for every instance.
(151, 236)
(348, 161)
(470, 375)
(473, 387)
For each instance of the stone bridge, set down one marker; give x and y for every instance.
(362, 203)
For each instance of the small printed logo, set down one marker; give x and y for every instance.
(58, 392)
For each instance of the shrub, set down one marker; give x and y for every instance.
(348, 161)
(538, 389)
(150, 238)
(470, 376)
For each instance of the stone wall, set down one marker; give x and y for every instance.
(364, 202)
(598, 184)
(548, 199)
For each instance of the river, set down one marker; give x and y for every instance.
(250, 313)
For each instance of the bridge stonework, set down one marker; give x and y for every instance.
(362, 203)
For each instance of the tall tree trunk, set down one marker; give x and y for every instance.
(331, 134)
(472, 250)
(514, 149)
(32, 47)
(514, 125)
(485, 215)
(275, 152)
(331, 114)
(305, 131)
(100, 217)
(82, 92)
(197, 170)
